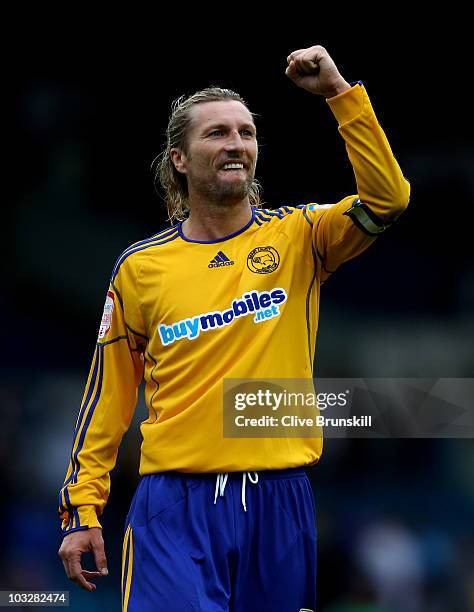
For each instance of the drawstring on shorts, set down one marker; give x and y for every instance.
(221, 482)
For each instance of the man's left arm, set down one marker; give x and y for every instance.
(343, 230)
(382, 189)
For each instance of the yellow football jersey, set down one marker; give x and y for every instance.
(186, 314)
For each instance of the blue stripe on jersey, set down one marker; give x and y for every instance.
(90, 414)
(265, 216)
(89, 393)
(76, 429)
(257, 221)
(157, 237)
(284, 211)
(71, 529)
(163, 234)
(76, 516)
(273, 213)
(63, 506)
(66, 498)
(305, 214)
(67, 501)
(262, 217)
(79, 422)
(152, 242)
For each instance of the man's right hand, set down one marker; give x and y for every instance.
(76, 543)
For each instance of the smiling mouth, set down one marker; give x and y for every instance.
(233, 166)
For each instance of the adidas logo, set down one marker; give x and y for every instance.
(220, 260)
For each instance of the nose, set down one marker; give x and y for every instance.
(235, 142)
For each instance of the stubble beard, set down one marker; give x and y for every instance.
(223, 193)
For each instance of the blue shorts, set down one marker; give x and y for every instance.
(211, 543)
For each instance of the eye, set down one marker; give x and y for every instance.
(216, 133)
(247, 133)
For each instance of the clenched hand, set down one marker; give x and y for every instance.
(314, 70)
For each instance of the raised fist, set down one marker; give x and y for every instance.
(314, 70)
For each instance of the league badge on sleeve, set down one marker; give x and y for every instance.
(107, 315)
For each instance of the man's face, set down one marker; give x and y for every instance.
(220, 133)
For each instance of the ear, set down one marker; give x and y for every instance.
(179, 160)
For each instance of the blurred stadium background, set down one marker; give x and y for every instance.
(87, 117)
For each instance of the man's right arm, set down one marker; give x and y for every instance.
(105, 414)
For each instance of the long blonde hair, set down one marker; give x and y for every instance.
(173, 182)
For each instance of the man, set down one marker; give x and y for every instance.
(220, 523)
